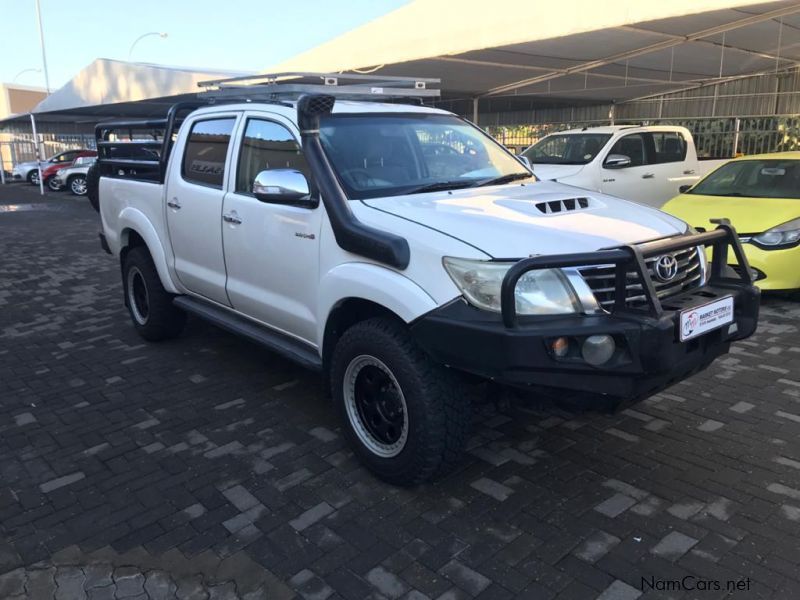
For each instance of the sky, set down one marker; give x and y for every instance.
(239, 35)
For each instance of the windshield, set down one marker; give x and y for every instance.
(567, 149)
(393, 154)
(753, 179)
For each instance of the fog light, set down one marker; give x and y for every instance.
(598, 349)
(560, 347)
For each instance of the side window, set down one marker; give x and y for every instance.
(206, 149)
(669, 146)
(266, 145)
(633, 146)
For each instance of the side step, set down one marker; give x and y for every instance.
(285, 345)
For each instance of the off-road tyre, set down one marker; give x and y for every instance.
(154, 315)
(437, 401)
(93, 187)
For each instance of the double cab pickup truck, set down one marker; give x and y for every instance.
(644, 164)
(406, 255)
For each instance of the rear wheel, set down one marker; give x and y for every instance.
(77, 185)
(154, 315)
(92, 187)
(33, 177)
(407, 417)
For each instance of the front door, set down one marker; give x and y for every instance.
(271, 248)
(195, 191)
(637, 181)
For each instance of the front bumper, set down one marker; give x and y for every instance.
(649, 355)
(776, 269)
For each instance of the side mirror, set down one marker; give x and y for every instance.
(684, 188)
(281, 185)
(524, 160)
(617, 161)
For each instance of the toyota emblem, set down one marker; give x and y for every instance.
(666, 268)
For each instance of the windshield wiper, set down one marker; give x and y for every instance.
(503, 179)
(439, 186)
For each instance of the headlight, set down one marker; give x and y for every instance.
(782, 236)
(540, 292)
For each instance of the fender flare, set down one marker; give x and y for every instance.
(372, 282)
(131, 219)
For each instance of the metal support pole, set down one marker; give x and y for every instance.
(736, 126)
(611, 112)
(2, 167)
(38, 154)
(41, 41)
(475, 110)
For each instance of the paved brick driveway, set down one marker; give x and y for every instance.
(207, 467)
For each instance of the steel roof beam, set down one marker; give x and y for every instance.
(663, 45)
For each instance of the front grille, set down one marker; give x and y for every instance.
(601, 280)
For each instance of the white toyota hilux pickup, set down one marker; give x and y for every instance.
(644, 164)
(406, 254)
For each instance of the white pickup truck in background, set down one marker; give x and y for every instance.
(645, 164)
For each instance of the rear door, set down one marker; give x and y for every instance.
(637, 181)
(670, 168)
(194, 194)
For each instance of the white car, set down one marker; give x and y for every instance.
(340, 234)
(645, 164)
(74, 178)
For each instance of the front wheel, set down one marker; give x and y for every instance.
(77, 185)
(154, 315)
(407, 417)
(52, 184)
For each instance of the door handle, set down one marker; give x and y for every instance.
(232, 217)
(689, 172)
(648, 176)
(174, 204)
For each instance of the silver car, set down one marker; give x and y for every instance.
(28, 171)
(74, 178)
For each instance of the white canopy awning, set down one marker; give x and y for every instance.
(581, 50)
(112, 88)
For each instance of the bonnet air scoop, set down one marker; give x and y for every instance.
(351, 234)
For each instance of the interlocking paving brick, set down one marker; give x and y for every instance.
(161, 432)
(386, 582)
(710, 425)
(465, 578)
(742, 407)
(492, 488)
(615, 506)
(596, 546)
(619, 590)
(311, 516)
(673, 545)
(59, 482)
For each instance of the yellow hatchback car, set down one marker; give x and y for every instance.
(760, 195)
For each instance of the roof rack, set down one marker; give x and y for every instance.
(341, 85)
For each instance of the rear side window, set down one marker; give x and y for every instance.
(267, 145)
(206, 150)
(634, 147)
(669, 146)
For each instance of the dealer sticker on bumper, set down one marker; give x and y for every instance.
(701, 319)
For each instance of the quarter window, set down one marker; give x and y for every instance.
(670, 147)
(206, 150)
(266, 145)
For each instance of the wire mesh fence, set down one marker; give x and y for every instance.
(714, 138)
